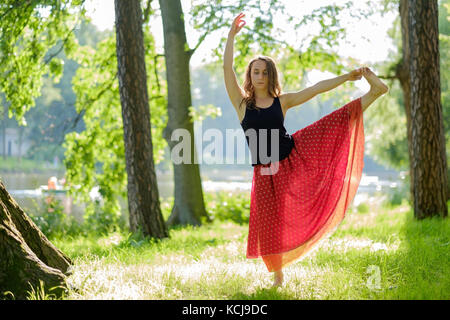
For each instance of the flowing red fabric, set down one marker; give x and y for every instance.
(306, 198)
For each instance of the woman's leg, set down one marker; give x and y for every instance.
(377, 89)
(278, 278)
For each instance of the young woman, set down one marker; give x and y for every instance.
(318, 167)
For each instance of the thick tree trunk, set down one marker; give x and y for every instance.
(26, 255)
(189, 205)
(143, 196)
(429, 160)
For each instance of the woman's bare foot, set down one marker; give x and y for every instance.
(377, 87)
(278, 279)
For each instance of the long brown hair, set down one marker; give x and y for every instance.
(273, 86)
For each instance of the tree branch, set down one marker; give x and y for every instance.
(70, 125)
(147, 12)
(155, 69)
(62, 46)
(202, 38)
(388, 77)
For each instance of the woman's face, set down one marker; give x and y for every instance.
(259, 75)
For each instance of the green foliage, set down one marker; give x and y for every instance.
(96, 156)
(318, 51)
(102, 220)
(40, 292)
(223, 206)
(55, 114)
(52, 220)
(386, 131)
(32, 34)
(386, 137)
(303, 52)
(202, 112)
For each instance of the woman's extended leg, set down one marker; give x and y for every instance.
(377, 89)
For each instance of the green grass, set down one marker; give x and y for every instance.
(380, 253)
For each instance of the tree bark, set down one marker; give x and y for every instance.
(429, 160)
(143, 196)
(189, 205)
(402, 73)
(26, 255)
(5, 114)
(20, 142)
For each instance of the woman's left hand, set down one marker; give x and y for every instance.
(355, 74)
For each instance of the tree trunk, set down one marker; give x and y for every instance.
(402, 73)
(26, 255)
(429, 160)
(5, 113)
(189, 205)
(20, 142)
(143, 196)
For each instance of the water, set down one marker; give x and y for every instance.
(26, 188)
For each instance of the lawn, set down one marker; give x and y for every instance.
(380, 253)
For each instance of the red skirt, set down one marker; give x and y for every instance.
(306, 197)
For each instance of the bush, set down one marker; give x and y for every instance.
(101, 220)
(224, 205)
(53, 221)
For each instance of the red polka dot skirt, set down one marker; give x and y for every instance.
(306, 196)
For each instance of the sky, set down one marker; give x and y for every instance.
(368, 40)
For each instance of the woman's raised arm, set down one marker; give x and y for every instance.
(234, 91)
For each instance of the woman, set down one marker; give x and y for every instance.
(318, 168)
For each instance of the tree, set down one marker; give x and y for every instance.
(4, 123)
(27, 257)
(189, 207)
(95, 156)
(402, 72)
(429, 163)
(391, 124)
(143, 196)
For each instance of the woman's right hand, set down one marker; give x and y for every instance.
(237, 25)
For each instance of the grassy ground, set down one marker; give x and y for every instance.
(380, 254)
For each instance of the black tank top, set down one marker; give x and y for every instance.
(261, 146)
